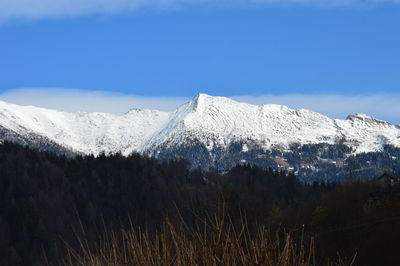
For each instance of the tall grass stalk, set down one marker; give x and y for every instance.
(215, 240)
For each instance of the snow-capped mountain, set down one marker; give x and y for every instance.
(215, 122)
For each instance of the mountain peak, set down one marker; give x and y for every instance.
(359, 116)
(135, 111)
(366, 118)
(201, 101)
(201, 96)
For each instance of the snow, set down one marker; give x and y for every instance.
(215, 121)
(88, 133)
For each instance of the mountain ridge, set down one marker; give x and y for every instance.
(212, 120)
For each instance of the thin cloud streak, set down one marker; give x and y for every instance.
(381, 106)
(73, 100)
(41, 9)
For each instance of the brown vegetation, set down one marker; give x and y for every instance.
(213, 241)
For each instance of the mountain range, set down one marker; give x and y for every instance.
(208, 131)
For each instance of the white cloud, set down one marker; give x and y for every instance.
(382, 106)
(38, 9)
(72, 100)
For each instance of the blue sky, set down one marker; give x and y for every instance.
(345, 48)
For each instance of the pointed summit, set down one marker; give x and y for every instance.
(199, 100)
(366, 118)
(201, 96)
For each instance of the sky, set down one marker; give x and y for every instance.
(337, 57)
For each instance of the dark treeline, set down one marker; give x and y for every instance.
(46, 199)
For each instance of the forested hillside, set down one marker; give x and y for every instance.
(46, 200)
(310, 162)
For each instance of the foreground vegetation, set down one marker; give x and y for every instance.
(214, 241)
(56, 209)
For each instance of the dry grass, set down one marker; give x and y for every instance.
(213, 241)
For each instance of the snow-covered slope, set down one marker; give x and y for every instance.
(218, 121)
(214, 121)
(88, 133)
